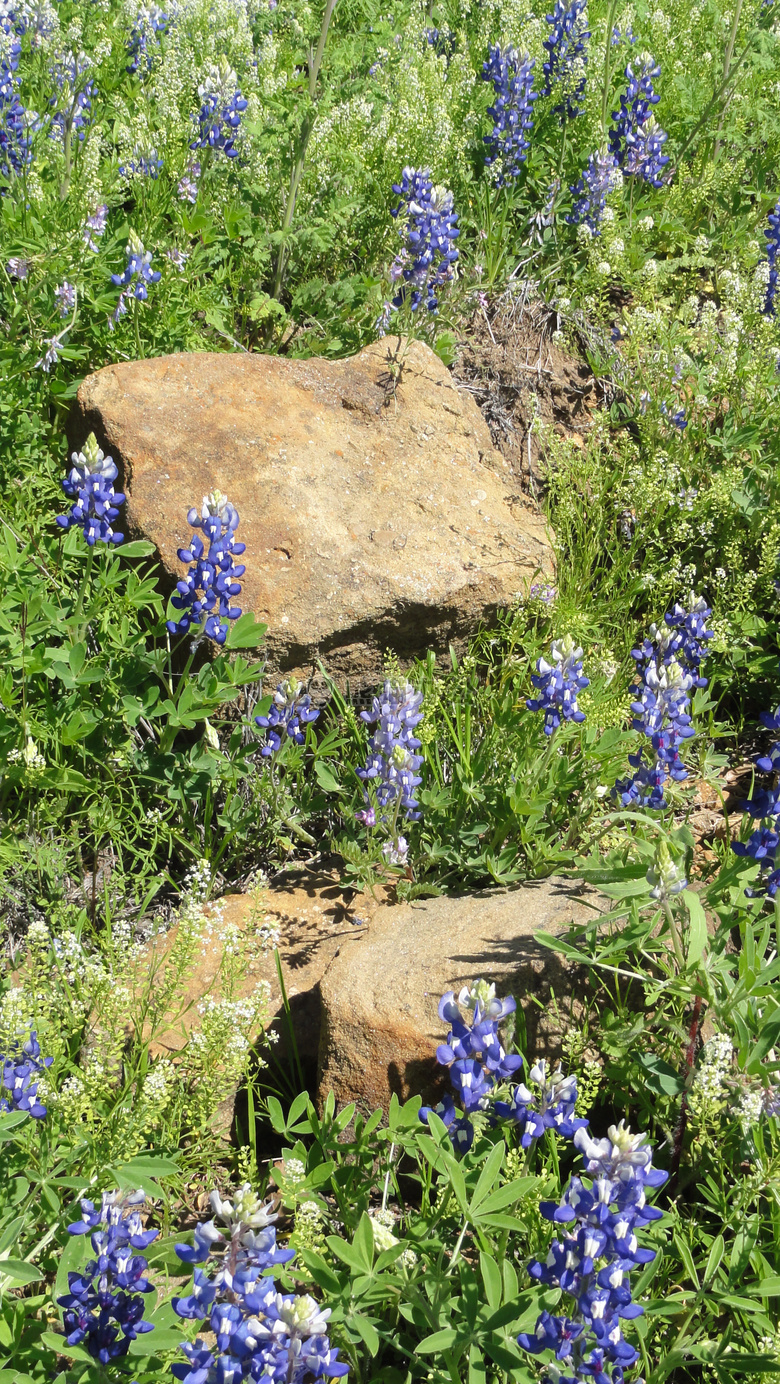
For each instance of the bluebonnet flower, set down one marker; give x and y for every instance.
(145, 163)
(150, 22)
(590, 193)
(552, 1108)
(772, 246)
(17, 268)
(670, 666)
(396, 851)
(188, 185)
(666, 875)
(94, 227)
(391, 768)
(73, 98)
(89, 484)
(635, 139)
(65, 295)
(290, 710)
(591, 1263)
(15, 121)
(559, 682)
(178, 258)
(442, 41)
(205, 593)
(138, 271)
(764, 807)
(104, 1298)
(428, 226)
(474, 1056)
(567, 55)
(51, 355)
(22, 1065)
(222, 106)
(512, 77)
(259, 1333)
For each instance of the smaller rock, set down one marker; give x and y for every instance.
(380, 1026)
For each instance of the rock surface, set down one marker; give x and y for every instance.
(380, 1026)
(375, 515)
(364, 976)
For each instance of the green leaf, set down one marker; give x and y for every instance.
(73, 1255)
(364, 1241)
(154, 1342)
(246, 633)
(768, 1287)
(140, 547)
(660, 1076)
(58, 1343)
(366, 1331)
(697, 937)
(440, 1340)
(491, 1277)
(19, 1271)
(325, 778)
(506, 1195)
(488, 1176)
(768, 1038)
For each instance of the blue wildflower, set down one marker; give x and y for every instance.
(94, 227)
(552, 1108)
(567, 55)
(212, 581)
(590, 192)
(670, 666)
(512, 77)
(89, 484)
(474, 1056)
(21, 1066)
(392, 764)
(144, 163)
(428, 226)
(258, 1332)
(104, 1298)
(138, 271)
(592, 1261)
(150, 22)
(15, 121)
(74, 96)
(635, 139)
(772, 246)
(290, 710)
(764, 807)
(559, 682)
(222, 107)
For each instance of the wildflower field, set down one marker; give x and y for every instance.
(299, 180)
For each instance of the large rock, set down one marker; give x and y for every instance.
(380, 1026)
(376, 513)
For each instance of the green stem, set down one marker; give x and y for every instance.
(711, 105)
(726, 70)
(169, 734)
(299, 158)
(674, 930)
(85, 580)
(611, 12)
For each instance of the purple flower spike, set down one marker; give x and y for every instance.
(90, 484)
(205, 593)
(429, 228)
(559, 682)
(512, 77)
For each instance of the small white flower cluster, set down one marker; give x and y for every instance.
(293, 1171)
(382, 1223)
(750, 1108)
(197, 882)
(30, 757)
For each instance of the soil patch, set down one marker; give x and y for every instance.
(524, 383)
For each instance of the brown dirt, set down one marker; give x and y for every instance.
(524, 383)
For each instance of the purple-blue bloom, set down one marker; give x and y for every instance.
(259, 1333)
(212, 581)
(95, 226)
(22, 1065)
(512, 77)
(551, 1108)
(150, 22)
(90, 484)
(103, 1299)
(559, 682)
(592, 1261)
(772, 246)
(393, 762)
(222, 107)
(290, 710)
(590, 193)
(567, 55)
(635, 139)
(138, 271)
(428, 226)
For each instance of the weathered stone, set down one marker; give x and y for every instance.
(376, 513)
(380, 1026)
